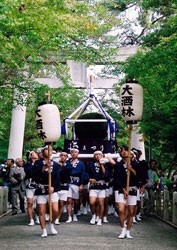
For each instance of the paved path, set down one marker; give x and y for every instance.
(149, 234)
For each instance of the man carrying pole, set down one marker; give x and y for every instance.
(47, 192)
(125, 193)
(46, 172)
(131, 106)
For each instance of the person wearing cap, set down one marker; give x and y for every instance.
(64, 184)
(77, 174)
(41, 176)
(125, 200)
(97, 188)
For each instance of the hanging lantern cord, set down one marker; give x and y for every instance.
(48, 97)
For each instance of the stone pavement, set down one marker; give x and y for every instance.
(149, 234)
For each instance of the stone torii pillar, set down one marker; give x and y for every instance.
(17, 132)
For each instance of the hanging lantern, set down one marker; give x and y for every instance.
(48, 122)
(131, 102)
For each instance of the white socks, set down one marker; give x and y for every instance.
(99, 222)
(52, 229)
(57, 222)
(93, 219)
(69, 219)
(44, 233)
(31, 223)
(128, 236)
(75, 218)
(123, 233)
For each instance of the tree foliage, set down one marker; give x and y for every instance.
(154, 66)
(37, 38)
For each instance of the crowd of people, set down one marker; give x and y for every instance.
(99, 185)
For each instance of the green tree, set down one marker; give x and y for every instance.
(37, 38)
(154, 66)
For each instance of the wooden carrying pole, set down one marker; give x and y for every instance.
(49, 183)
(129, 156)
(49, 171)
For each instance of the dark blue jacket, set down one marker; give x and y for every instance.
(77, 172)
(42, 177)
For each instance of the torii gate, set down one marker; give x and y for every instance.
(78, 72)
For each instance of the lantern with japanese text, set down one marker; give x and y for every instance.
(131, 102)
(131, 106)
(48, 122)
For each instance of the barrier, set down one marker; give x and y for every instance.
(166, 206)
(174, 220)
(3, 200)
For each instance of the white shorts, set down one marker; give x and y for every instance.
(73, 192)
(119, 198)
(97, 193)
(138, 195)
(43, 199)
(110, 191)
(30, 193)
(107, 192)
(63, 195)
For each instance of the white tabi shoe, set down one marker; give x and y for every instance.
(52, 229)
(44, 233)
(93, 219)
(134, 220)
(57, 222)
(128, 236)
(138, 218)
(105, 219)
(99, 222)
(69, 219)
(123, 233)
(31, 223)
(97, 218)
(37, 220)
(75, 218)
(47, 217)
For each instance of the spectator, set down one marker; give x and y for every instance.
(153, 183)
(6, 181)
(16, 177)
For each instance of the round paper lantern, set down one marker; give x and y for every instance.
(131, 102)
(48, 122)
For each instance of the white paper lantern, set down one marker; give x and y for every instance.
(131, 102)
(48, 122)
